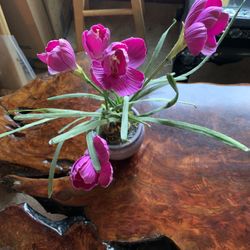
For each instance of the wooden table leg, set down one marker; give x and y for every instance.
(79, 22)
(137, 7)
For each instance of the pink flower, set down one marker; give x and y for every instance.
(117, 71)
(83, 174)
(95, 41)
(59, 56)
(204, 22)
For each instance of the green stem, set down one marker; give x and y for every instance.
(105, 94)
(79, 72)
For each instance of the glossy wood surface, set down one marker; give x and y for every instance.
(185, 186)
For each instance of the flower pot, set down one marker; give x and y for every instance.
(127, 149)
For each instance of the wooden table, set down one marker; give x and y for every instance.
(187, 187)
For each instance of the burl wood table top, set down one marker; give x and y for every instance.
(187, 187)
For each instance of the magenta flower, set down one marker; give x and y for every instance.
(117, 71)
(204, 22)
(59, 56)
(95, 41)
(83, 174)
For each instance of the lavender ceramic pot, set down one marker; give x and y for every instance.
(126, 150)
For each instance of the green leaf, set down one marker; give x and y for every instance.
(92, 152)
(179, 78)
(160, 100)
(53, 167)
(158, 48)
(198, 129)
(30, 125)
(60, 114)
(149, 89)
(76, 95)
(124, 124)
(169, 104)
(77, 130)
(80, 129)
(70, 124)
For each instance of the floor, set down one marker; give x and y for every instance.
(158, 18)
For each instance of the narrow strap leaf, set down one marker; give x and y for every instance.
(198, 129)
(77, 130)
(124, 125)
(161, 100)
(80, 129)
(152, 86)
(70, 124)
(158, 47)
(169, 104)
(92, 152)
(30, 125)
(61, 114)
(53, 167)
(76, 95)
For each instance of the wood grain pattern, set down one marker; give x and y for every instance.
(188, 187)
(29, 234)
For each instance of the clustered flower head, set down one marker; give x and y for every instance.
(204, 22)
(83, 174)
(114, 66)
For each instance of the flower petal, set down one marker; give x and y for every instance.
(194, 12)
(98, 74)
(136, 51)
(101, 148)
(43, 57)
(220, 25)
(217, 3)
(209, 16)
(106, 175)
(88, 172)
(115, 62)
(210, 46)
(52, 72)
(55, 61)
(80, 184)
(195, 37)
(51, 45)
(95, 41)
(67, 54)
(127, 84)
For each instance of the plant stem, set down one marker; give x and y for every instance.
(105, 94)
(79, 72)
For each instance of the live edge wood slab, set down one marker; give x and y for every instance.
(187, 187)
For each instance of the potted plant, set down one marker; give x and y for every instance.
(116, 130)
